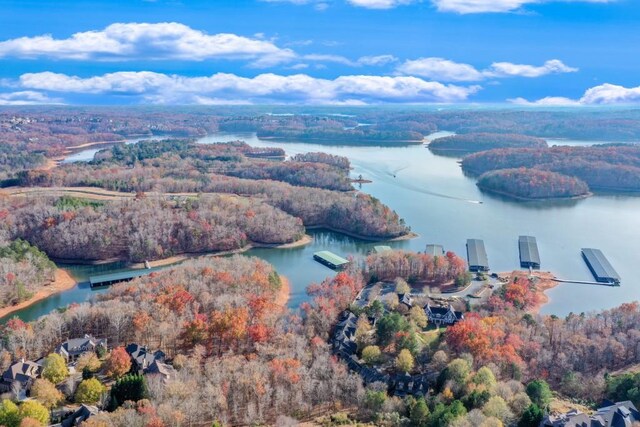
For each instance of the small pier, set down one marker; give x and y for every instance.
(585, 282)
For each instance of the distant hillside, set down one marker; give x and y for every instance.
(476, 142)
(602, 167)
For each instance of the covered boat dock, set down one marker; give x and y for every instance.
(122, 276)
(477, 256)
(435, 250)
(330, 259)
(600, 266)
(529, 255)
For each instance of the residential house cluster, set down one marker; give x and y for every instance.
(610, 414)
(344, 346)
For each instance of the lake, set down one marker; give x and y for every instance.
(444, 206)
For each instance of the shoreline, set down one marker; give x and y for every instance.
(284, 293)
(408, 236)
(176, 259)
(529, 199)
(62, 282)
(546, 281)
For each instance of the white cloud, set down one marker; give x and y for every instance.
(494, 6)
(507, 69)
(446, 70)
(378, 60)
(264, 88)
(548, 101)
(380, 4)
(611, 94)
(162, 41)
(26, 97)
(440, 69)
(603, 94)
(317, 4)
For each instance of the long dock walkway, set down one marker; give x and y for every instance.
(584, 282)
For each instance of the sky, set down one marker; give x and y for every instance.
(320, 52)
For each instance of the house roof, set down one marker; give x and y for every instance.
(441, 312)
(82, 414)
(22, 371)
(79, 345)
(142, 356)
(160, 368)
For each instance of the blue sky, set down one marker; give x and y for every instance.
(572, 52)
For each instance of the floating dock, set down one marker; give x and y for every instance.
(477, 256)
(600, 266)
(123, 276)
(330, 259)
(529, 255)
(435, 250)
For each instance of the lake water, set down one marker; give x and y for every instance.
(445, 207)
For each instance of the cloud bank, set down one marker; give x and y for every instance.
(450, 71)
(144, 41)
(495, 6)
(265, 88)
(605, 94)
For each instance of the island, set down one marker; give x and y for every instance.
(476, 142)
(532, 184)
(604, 168)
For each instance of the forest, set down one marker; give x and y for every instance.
(532, 184)
(613, 167)
(23, 270)
(349, 212)
(415, 267)
(144, 228)
(476, 142)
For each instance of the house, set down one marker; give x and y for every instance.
(443, 315)
(81, 415)
(160, 370)
(20, 377)
(406, 300)
(404, 384)
(621, 414)
(141, 358)
(343, 339)
(72, 349)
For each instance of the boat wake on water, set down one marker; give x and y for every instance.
(384, 176)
